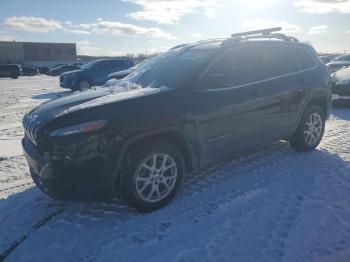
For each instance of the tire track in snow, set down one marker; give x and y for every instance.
(22, 238)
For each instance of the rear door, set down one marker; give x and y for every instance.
(284, 91)
(101, 71)
(229, 105)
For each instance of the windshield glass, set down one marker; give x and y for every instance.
(89, 65)
(169, 69)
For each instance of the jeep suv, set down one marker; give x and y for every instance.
(94, 73)
(182, 110)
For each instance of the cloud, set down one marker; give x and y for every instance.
(5, 37)
(323, 6)
(32, 24)
(171, 11)
(86, 48)
(116, 28)
(261, 23)
(77, 31)
(196, 35)
(318, 29)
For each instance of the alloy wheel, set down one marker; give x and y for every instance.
(156, 177)
(313, 129)
(84, 85)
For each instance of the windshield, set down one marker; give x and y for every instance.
(89, 65)
(169, 69)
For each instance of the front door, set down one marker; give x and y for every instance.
(229, 105)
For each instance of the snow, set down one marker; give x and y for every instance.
(269, 204)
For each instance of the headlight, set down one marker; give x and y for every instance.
(78, 129)
(343, 82)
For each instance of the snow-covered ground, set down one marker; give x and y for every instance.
(271, 204)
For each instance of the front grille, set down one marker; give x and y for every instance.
(31, 126)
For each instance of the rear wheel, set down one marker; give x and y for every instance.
(310, 130)
(14, 76)
(151, 176)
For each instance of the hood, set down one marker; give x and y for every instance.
(342, 74)
(121, 73)
(90, 99)
(345, 63)
(72, 72)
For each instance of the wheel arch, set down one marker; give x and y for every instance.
(175, 136)
(321, 100)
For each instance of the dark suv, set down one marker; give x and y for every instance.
(94, 73)
(184, 109)
(10, 70)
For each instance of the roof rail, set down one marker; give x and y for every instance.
(274, 36)
(178, 46)
(266, 31)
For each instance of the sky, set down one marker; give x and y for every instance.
(119, 27)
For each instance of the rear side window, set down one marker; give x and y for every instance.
(303, 60)
(276, 61)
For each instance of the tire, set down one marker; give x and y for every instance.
(14, 76)
(307, 137)
(137, 181)
(83, 84)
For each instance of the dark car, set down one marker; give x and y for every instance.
(43, 69)
(30, 71)
(184, 109)
(94, 73)
(339, 62)
(56, 71)
(341, 82)
(327, 58)
(10, 70)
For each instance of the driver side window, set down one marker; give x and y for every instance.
(216, 77)
(233, 68)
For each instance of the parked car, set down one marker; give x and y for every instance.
(80, 64)
(338, 63)
(10, 70)
(94, 73)
(114, 77)
(184, 109)
(121, 74)
(327, 58)
(43, 69)
(341, 82)
(56, 71)
(29, 70)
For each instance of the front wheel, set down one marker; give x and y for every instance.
(310, 130)
(83, 85)
(151, 176)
